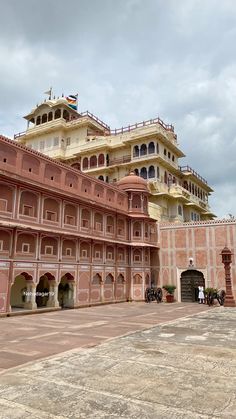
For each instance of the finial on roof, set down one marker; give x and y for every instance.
(62, 95)
(54, 97)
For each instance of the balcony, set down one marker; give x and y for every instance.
(119, 160)
(188, 170)
(146, 123)
(94, 145)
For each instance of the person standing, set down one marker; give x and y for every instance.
(201, 297)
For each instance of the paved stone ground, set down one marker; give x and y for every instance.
(185, 368)
(30, 337)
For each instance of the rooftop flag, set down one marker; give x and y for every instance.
(72, 101)
(49, 93)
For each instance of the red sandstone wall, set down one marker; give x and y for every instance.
(202, 242)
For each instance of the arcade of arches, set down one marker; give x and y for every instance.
(27, 295)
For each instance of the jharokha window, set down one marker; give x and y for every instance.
(69, 219)
(25, 248)
(28, 210)
(48, 250)
(3, 205)
(50, 216)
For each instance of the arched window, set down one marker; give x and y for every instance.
(151, 172)
(110, 224)
(51, 210)
(158, 172)
(58, 113)
(85, 218)
(151, 148)
(110, 253)
(137, 229)
(86, 186)
(85, 163)
(44, 118)
(6, 198)
(30, 164)
(71, 180)
(28, 204)
(49, 246)
(93, 161)
(143, 150)
(136, 202)
(98, 222)
(66, 115)
(99, 191)
(165, 177)
(97, 254)
(38, 120)
(101, 160)
(120, 227)
(120, 279)
(157, 147)
(109, 279)
(180, 212)
(50, 116)
(185, 186)
(136, 151)
(101, 178)
(97, 279)
(136, 172)
(52, 173)
(70, 214)
(137, 256)
(143, 173)
(84, 250)
(76, 166)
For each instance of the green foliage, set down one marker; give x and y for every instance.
(169, 288)
(210, 291)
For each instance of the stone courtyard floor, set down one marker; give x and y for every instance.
(173, 361)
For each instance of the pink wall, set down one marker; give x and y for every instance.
(201, 241)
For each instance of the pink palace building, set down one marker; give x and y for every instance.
(67, 239)
(70, 239)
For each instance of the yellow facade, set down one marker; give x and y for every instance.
(149, 148)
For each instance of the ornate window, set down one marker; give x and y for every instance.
(143, 150)
(151, 148)
(151, 172)
(143, 173)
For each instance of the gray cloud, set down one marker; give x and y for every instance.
(130, 61)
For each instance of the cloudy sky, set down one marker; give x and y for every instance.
(131, 60)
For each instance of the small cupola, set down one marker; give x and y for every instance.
(137, 189)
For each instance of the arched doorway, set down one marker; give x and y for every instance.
(66, 291)
(19, 290)
(190, 281)
(42, 290)
(109, 288)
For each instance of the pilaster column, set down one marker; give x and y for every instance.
(30, 297)
(53, 295)
(102, 291)
(71, 295)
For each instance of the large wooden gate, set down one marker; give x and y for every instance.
(190, 281)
